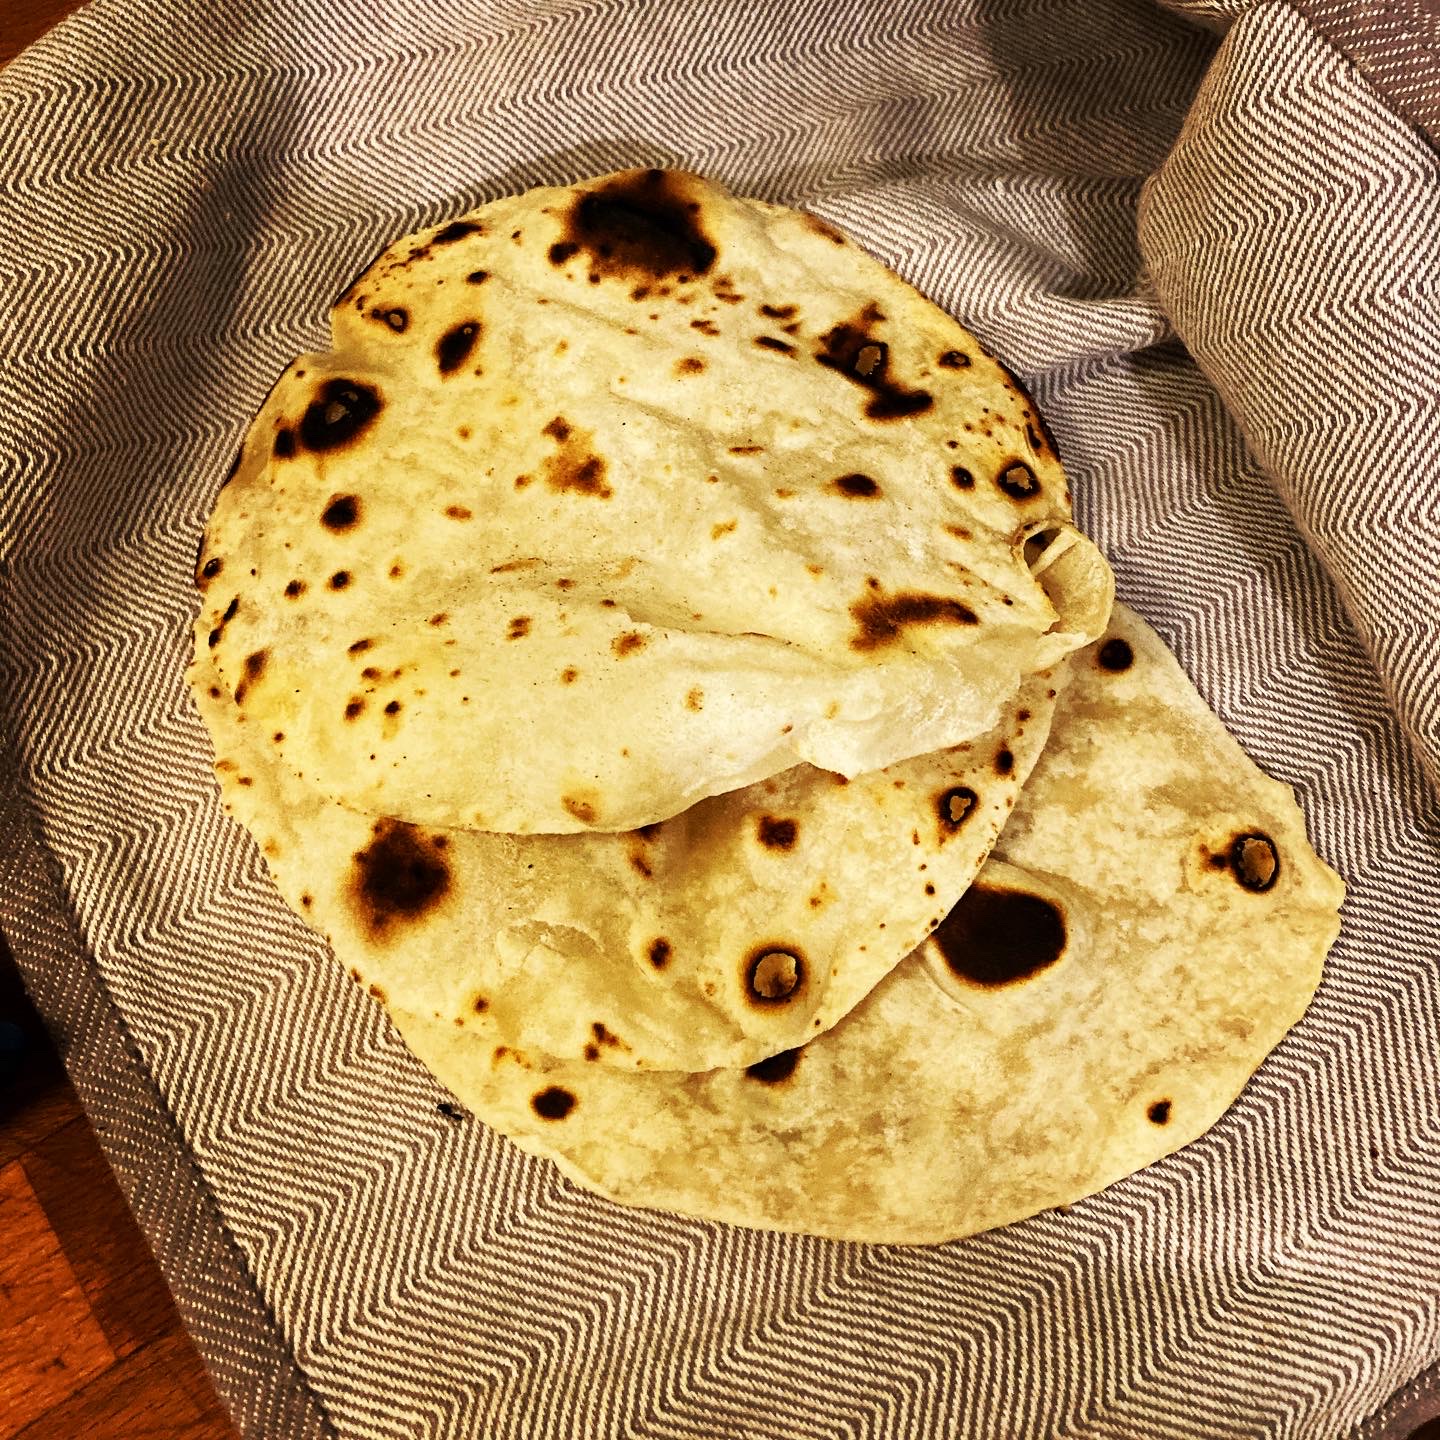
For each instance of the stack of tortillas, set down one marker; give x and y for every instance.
(653, 647)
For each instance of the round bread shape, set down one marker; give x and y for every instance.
(611, 497)
(749, 923)
(1153, 922)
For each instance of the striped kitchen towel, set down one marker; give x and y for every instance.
(1207, 236)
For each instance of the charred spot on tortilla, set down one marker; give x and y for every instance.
(882, 619)
(1039, 434)
(575, 467)
(582, 810)
(996, 937)
(1115, 655)
(774, 974)
(953, 360)
(637, 226)
(1016, 386)
(225, 619)
(774, 1069)
(822, 228)
(1004, 761)
(871, 358)
(398, 878)
(341, 412)
(457, 230)
(777, 834)
(284, 446)
(660, 952)
(339, 580)
(605, 1036)
(851, 349)
(254, 669)
(1159, 1112)
(552, 1103)
(955, 808)
(212, 568)
(477, 277)
(396, 317)
(454, 346)
(771, 342)
(1254, 861)
(342, 513)
(1018, 481)
(961, 478)
(860, 487)
(1037, 438)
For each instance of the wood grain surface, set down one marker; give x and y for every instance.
(90, 1343)
(22, 21)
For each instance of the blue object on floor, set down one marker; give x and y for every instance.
(12, 1051)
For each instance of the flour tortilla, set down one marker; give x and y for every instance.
(612, 497)
(675, 948)
(964, 1095)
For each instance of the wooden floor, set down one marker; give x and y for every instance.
(90, 1345)
(22, 21)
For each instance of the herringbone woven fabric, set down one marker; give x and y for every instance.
(1395, 44)
(182, 191)
(1310, 293)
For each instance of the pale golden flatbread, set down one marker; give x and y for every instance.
(1152, 923)
(612, 497)
(749, 923)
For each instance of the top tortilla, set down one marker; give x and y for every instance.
(613, 497)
